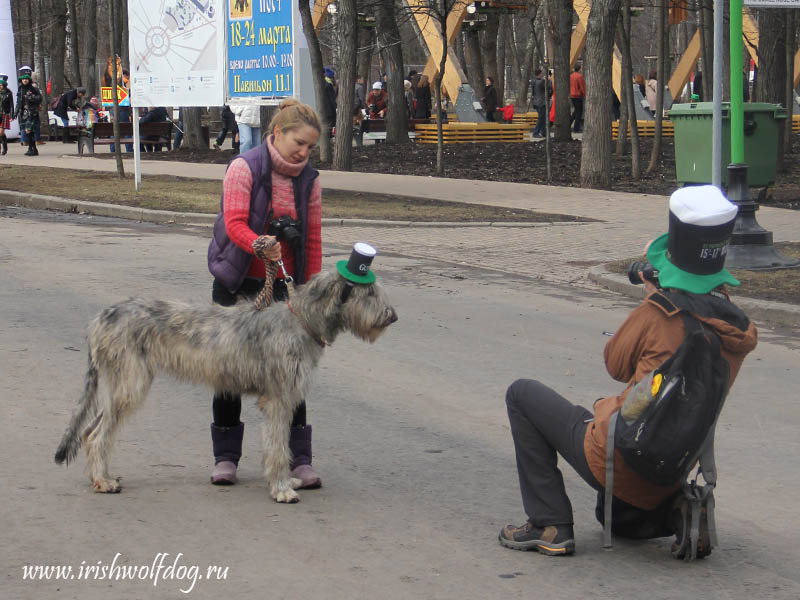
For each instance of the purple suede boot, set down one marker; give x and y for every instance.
(227, 443)
(300, 445)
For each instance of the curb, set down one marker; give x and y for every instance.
(777, 313)
(102, 209)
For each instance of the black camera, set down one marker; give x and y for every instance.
(285, 229)
(648, 272)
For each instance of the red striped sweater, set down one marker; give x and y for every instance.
(237, 186)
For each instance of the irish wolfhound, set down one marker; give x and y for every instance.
(269, 353)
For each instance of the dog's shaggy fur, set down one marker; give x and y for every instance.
(269, 353)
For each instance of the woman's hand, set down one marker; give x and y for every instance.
(267, 247)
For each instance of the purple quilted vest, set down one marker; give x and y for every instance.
(229, 263)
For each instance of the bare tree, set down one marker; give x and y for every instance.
(87, 30)
(771, 84)
(560, 29)
(662, 49)
(472, 51)
(489, 50)
(56, 37)
(596, 147)
(75, 63)
(627, 78)
(791, 48)
(116, 41)
(437, 11)
(530, 50)
(347, 33)
(391, 50)
(24, 30)
(192, 131)
(317, 67)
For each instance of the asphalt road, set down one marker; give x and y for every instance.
(411, 439)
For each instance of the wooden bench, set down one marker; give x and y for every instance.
(646, 128)
(103, 133)
(471, 133)
(528, 119)
(379, 126)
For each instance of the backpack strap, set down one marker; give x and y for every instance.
(609, 487)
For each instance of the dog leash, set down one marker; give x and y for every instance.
(260, 246)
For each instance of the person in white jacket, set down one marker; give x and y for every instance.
(248, 118)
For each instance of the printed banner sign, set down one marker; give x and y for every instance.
(260, 49)
(107, 97)
(177, 50)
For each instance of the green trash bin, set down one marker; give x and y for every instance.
(693, 140)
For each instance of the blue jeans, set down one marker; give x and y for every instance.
(249, 137)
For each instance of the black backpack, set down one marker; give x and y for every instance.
(690, 387)
(662, 438)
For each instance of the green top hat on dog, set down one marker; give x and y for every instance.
(356, 269)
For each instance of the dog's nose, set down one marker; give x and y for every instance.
(392, 315)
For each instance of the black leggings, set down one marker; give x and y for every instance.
(227, 407)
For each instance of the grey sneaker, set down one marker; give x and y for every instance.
(553, 540)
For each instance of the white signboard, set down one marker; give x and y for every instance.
(177, 52)
(8, 65)
(773, 3)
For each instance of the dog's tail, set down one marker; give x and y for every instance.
(71, 442)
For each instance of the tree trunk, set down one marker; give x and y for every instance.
(192, 137)
(472, 49)
(489, 48)
(390, 47)
(560, 27)
(627, 75)
(87, 29)
(441, 16)
(125, 49)
(56, 43)
(512, 51)
(596, 157)
(317, 67)
(366, 40)
(707, 48)
(24, 28)
(347, 33)
(771, 84)
(625, 90)
(116, 40)
(502, 57)
(661, 78)
(75, 62)
(527, 61)
(41, 44)
(791, 48)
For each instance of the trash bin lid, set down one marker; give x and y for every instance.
(707, 108)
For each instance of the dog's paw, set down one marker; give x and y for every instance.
(107, 486)
(284, 494)
(296, 483)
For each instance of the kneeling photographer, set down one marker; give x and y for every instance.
(684, 274)
(269, 193)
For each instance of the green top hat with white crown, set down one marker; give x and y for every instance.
(356, 269)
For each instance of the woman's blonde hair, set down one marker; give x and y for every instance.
(293, 114)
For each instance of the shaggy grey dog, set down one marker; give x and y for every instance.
(269, 353)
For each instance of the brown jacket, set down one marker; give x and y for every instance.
(645, 340)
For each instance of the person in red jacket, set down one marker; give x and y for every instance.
(508, 113)
(577, 94)
(376, 101)
(690, 264)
